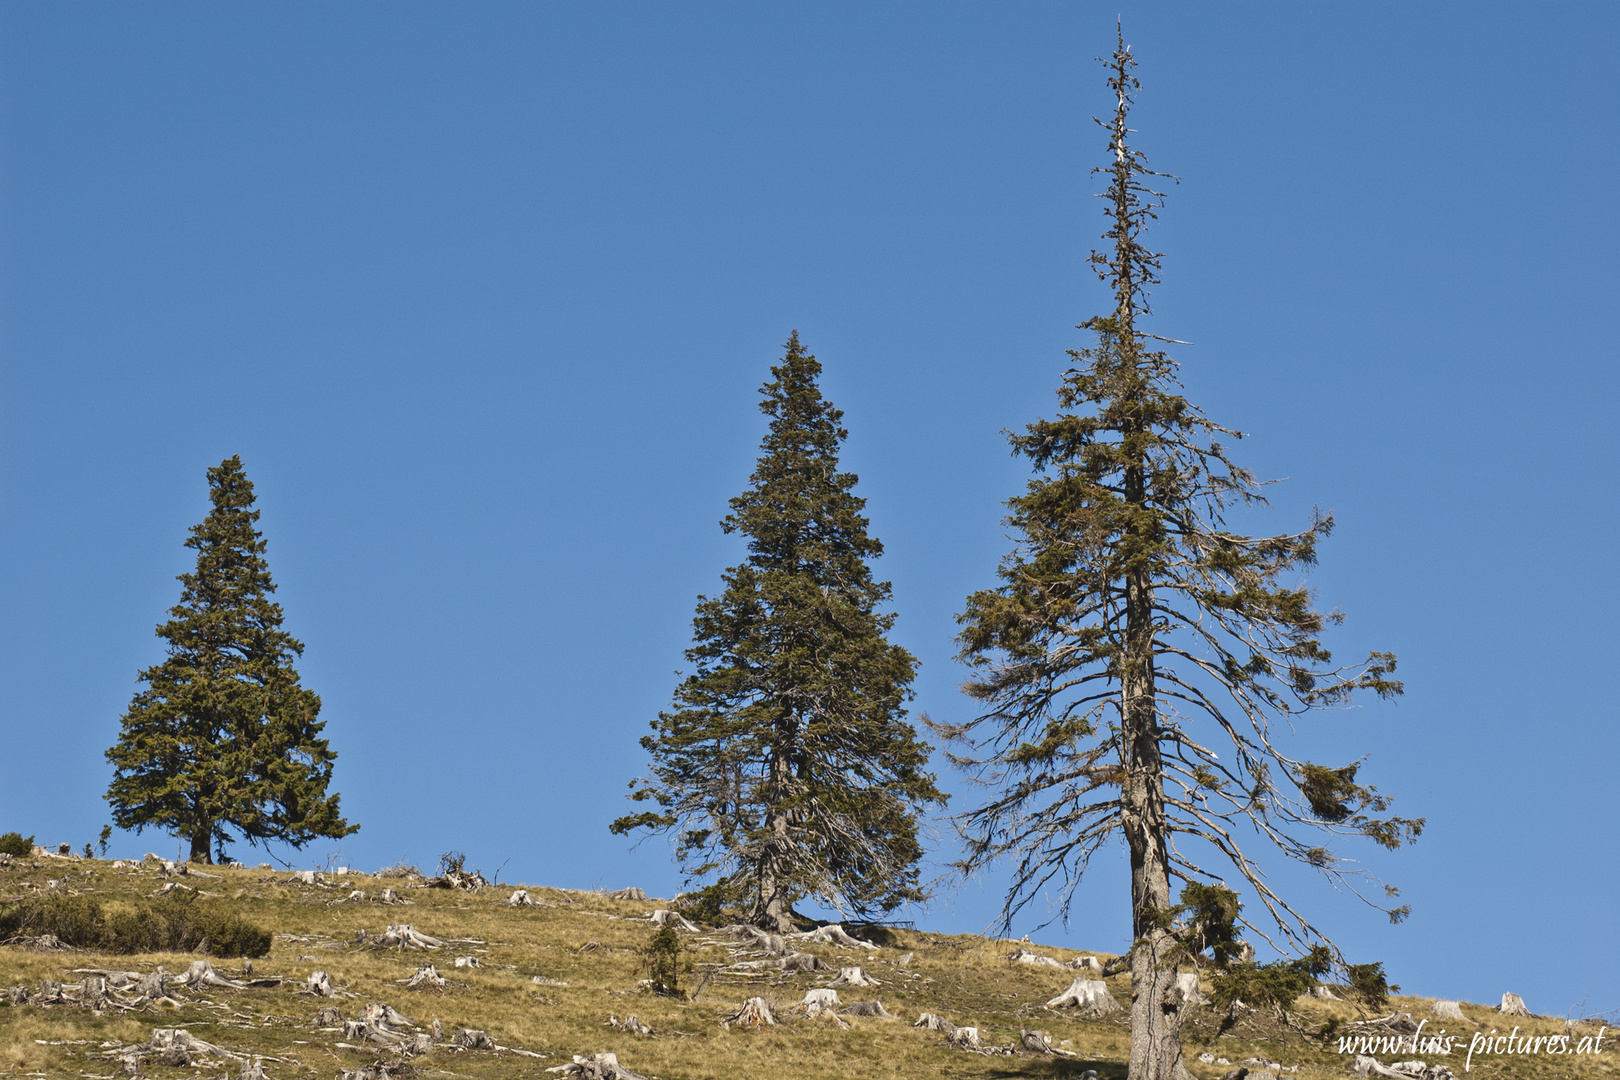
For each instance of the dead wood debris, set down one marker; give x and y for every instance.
(427, 976)
(665, 917)
(596, 1067)
(631, 1024)
(403, 935)
(627, 894)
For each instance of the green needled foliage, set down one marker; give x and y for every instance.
(1138, 654)
(786, 765)
(224, 737)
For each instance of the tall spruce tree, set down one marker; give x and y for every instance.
(223, 736)
(1129, 619)
(786, 764)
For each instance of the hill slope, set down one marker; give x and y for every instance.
(551, 975)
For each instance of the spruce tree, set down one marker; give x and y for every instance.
(1139, 656)
(785, 765)
(223, 736)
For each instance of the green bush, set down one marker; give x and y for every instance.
(16, 844)
(175, 923)
(662, 960)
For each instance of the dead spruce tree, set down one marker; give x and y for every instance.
(786, 765)
(1129, 617)
(223, 736)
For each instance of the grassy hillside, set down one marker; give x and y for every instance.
(587, 950)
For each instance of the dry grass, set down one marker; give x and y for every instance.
(964, 978)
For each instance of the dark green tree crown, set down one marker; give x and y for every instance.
(224, 737)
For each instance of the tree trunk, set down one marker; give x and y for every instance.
(772, 910)
(1156, 1001)
(201, 837)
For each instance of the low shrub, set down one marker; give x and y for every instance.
(16, 844)
(174, 923)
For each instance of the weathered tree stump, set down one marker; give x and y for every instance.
(357, 895)
(753, 1014)
(1323, 992)
(665, 917)
(627, 894)
(965, 1038)
(50, 993)
(93, 992)
(319, 983)
(596, 1067)
(768, 943)
(1034, 959)
(469, 962)
(866, 1008)
(472, 1039)
(385, 1016)
(1039, 1042)
(934, 1022)
(1513, 1005)
(521, 898)
(389, 896)
(328, 1016)
(252, 1069)
(306, 877)
(405, 936)
(1090, 996)
(630, 1024)
(819, 1000)
(201, 973)
(853, 976)
(1085, 963)
(1448, 1010)
(834, 934)
(427, 977)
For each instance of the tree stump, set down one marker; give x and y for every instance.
(201, 973)
(328, 1016)
(357, 895)
(1090, 996)
(753, 1014)
(252, 1069)
(472, 1039)
(965, 1038)
(426, 976)
(665, 917)
(596, 1067)
(469, 962)
(1034, 959)
(1324, 993)
(1448, 1010)
(627, 894)
(319, 983)
(866, 1008)
(406, 936)
(385, 1016)
(93, 992)
(521, 898)
(819, 1000)
(389, 896)
(853, 976)
(1513, 1005)
(801, 961)
(306, 877)
(1086, 963)
(631, 1024)
(934, 1022)
(1039, 1042)
(834, 934)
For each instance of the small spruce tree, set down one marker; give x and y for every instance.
(786, 763)
(1139, 656)
(223, 736)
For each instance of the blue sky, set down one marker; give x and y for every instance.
(483, 296)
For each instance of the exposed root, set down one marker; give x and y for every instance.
(201, 973)
(1038, 1042)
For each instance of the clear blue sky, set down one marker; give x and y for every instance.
(482, 295)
